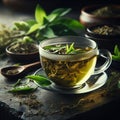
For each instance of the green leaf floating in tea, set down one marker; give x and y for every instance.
(65, 49)
(41, 80)
(70, 49)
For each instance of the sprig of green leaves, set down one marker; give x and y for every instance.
(116, 54)
(49, 25)
(41, 27)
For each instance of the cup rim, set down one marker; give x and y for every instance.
(74, 57)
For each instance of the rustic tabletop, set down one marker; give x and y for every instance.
(49, 105)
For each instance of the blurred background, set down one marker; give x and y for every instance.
(29, 5)
(12, 10)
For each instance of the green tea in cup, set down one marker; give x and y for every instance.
(70, 61)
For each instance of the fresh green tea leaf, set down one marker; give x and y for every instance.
(33, 28)
(22, 89)
(119, 84)
(49, 33)
(71, 23)
(116, 50)
(46, 21)
(117, 58)
(61, 30)
(31, 22)
(22, 25)
(70, 48)
(58, 13)
(40, 14)
(54, 47)
(39, 79)
(116, 54)
(62, 11)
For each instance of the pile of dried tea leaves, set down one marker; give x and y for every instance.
(23, 48)
(107, 11)
(107, 30)
(6, 37)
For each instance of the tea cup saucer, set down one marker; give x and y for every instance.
(99, 81)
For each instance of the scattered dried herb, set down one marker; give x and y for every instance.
(32, 103)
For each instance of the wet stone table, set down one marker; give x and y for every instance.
(47, 105)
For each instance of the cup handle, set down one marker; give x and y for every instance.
(107, 55)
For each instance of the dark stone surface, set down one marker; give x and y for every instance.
(54, 106)
(7, 113)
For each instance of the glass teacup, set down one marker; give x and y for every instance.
(69, 61)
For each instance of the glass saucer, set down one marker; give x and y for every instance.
(93, 83)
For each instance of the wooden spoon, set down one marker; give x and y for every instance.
(15, 72)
